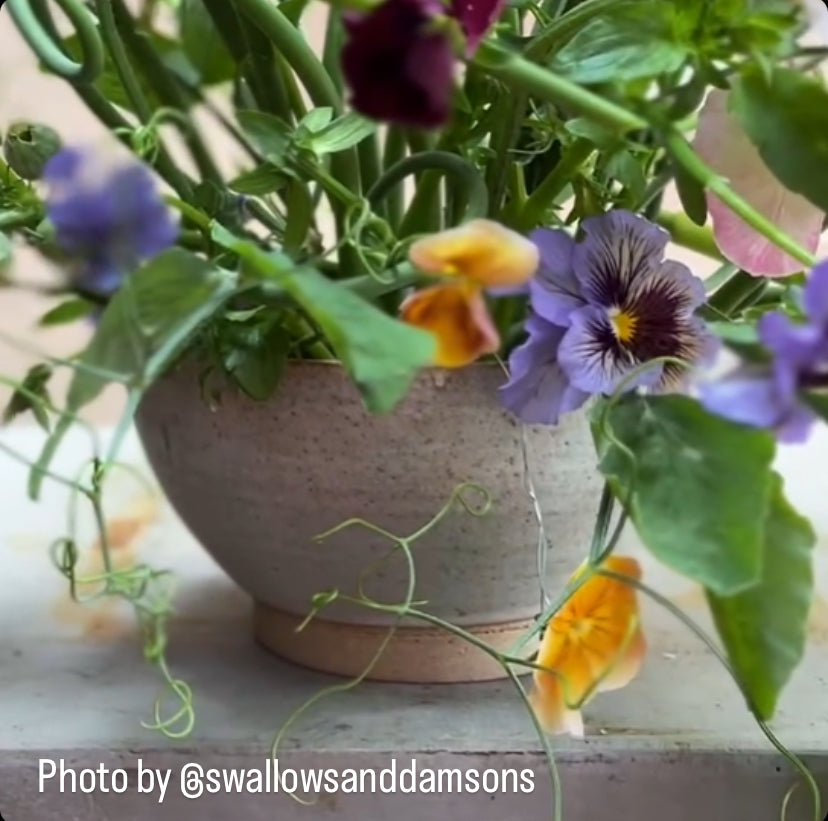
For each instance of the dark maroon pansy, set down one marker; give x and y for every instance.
(398, 66)
(399, 60)
(476, 17)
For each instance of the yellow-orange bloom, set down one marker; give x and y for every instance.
(593, 643)
(480, 254)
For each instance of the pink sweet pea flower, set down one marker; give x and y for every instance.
(723, 145)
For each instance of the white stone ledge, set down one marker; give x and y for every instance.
(676, 744)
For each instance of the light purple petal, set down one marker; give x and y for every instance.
(509, 290)
(724, 146)
(748, 400)
(538, 391)
(798, 345)
(555, 292)
(594, 361)
(796, 427)
(815, 294)
(620, 248)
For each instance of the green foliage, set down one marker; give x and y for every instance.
(69, 311)
(253, 351)
(109, 83)
(637, 40)
(381, 354)
(203, 44)
(695, 482)
(785, 114)
(146, 325)
(32, 395)
(763, 628)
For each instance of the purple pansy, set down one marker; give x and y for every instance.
(767, 396)
(108, 215)
(601, 308)
(399, 57)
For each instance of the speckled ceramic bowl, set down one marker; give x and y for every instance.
(256, 482)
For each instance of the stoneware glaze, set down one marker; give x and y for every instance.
(257, 482)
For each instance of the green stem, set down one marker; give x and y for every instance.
(290, 42)
(112, 119)
(331, 51)
(695, 166)
(469, 183)
(523, 75)
(369, 161)
(122, 65)
(293, 46)
(527, 76)
(541, 198)
(92, 50)
(686, 233)
(165, 85)
(504, 136)
(394, 151)
(265, 78)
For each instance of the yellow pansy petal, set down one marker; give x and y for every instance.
(458, 317)
(483, 251)
(628, 666)
(593, 643)
(551, 711)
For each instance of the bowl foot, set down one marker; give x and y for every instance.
(414, 655)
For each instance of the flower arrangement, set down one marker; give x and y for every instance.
(540, 138)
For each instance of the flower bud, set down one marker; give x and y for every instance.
(28, 147)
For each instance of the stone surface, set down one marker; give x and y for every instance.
(675, 745)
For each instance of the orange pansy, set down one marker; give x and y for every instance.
(593, 643)
(479, 254)
(481, 251)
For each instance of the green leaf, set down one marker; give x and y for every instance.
(263, 179)
(596, 133)
(343, 133)
(817, 401)
(700, 484)
(69, 311)
(381, 354)
(741, 333)
(635, 42)
(625, 168)
(317, 118)
(271, 135)
(691, 194)
(143, 328)
(203, 44)
(786, 118)
(254, 354)
(32, 395)
(764, 628)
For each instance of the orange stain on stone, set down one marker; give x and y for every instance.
(107, 618)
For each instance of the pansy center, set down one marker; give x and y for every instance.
(624, 324)
(580, 628)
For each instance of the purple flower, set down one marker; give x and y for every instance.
(108, 215)
(399, 58)
(601, 308)
(767, 396)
